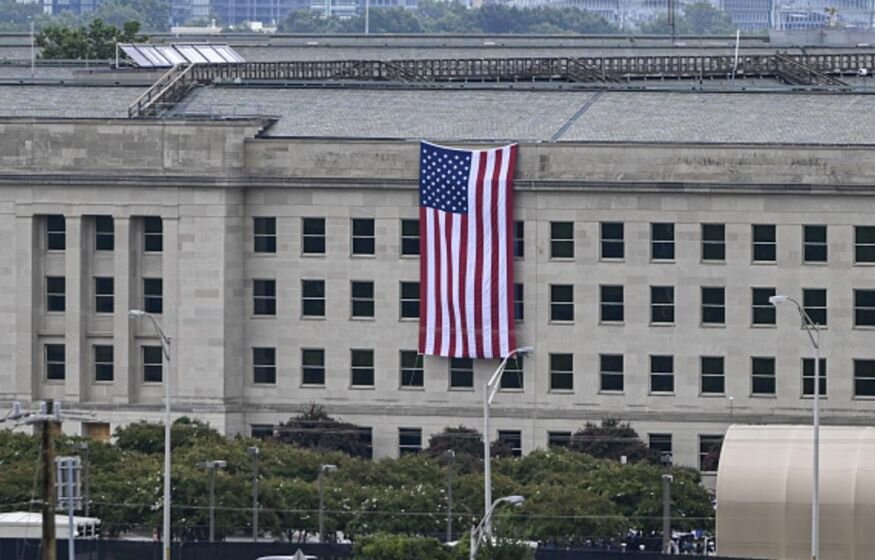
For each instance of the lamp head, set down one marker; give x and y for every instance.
(514, 500)
(329, 468)
(253, 451)
(136, 313)
(775, 300)
(524, 350)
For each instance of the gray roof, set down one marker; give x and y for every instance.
(66, 101)
(543, 116)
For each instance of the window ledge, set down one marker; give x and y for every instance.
(265, 385)
(358, 256)
(817, 263)
(612, 393)
(410, 388)
(611, 260)
(561, 391)
(763, 396)
(409, 257)
(262, 316)
(313, 317)
(54, 381)
(502, 390)
(663, 261)
(365, 319)
(863, 264)
(863, 398)
(552, 322)
(712, 395)
(863, 327)
(362, 387)
(661, 393)
(811, 397)
(772, 263)
(408, 319)
(104, 383)
(261, 254)
(712, 262)
(764, 325)
(462, 389)
(662, 324)
(313, 255)
(612, 323)
(561, 259)
(312, 386)
(151, 383)
(712, 325)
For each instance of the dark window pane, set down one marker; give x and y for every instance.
(519, 245)
(562, 372)
(864, 378)
(662, 304)
(612, 240)
(513, 439)
(814, 302)
(313, 236)
(265, 234)
(864, 308)
(362, 300)
(763, 311)
(55, 362)
(612, 303)
(662, 241)
(660, 442)
(56, 293)
(764, 246)
(313, 298)
(409, 440)
(313, 366)
(713, 380)
(152, 364)
(512, 377)
(519, 308)
(661, 374)
(409, 237)
(264, 297)
(104, 294)
(362, 367)
(153, 234)
(363, 242)
(808, 376)
(409, 300)
(611, 372)
(461, 372)
(814, 243)
(561, 240)
(558, 439)
(864, 244)
(763, 376)
(264, 365)
(713, 242)
(713, 306)
(104, 233)
(153, 295)
(412, 374)
(56, 232)
(103, 363)
(561, 303)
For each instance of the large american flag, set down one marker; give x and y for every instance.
(466, 256)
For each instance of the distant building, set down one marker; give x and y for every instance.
(78, 7)
(749, 15)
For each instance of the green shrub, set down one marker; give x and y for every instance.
(383, 546)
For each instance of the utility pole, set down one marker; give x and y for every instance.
(47, 445)
(254, 452)
(451, 457)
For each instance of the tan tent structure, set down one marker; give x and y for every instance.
(764, 493)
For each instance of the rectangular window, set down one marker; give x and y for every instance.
(366, 438)
(765, 247)
(611, 372)
(814, 303)
(461, 373)
(56, 232)
(713, 306)
(611, 307)
(561, 302)
(513, 439)
(558, 439)
(662, 242)
(409, 440)
(561, 372)
(519, 239)
(613, 244)
(519, 308)
(713, 242)
(409, 237)
(662, 304)
(808, 377)
(56, 293)
(409, 300)
(864, 244)
(264, 234)
(264, 297)
(55, 362)
(312, 366)
(313, 236)
(103, 363)
(362, 368)
(264, 365)
(662, 374)
(864, 378)
(104, 233)
(153, 234)
(363, 241)
(762, 376)
(104, 290)
(561, 240)
(661, 443)
(153, 364)
(362, 299)
(313, 298)
(261, 431)
(512, 377)
(412, 374)
(713, 375)
(814, 248)
(153, 299)
(709, 452)
(763, 310)
(864, 308)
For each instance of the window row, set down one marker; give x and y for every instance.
(104, 233)
(561, 376)
(712, 305)
(102, 359)
(612, 244)
(104, 294)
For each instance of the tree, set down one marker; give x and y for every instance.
(95, 42)
(313, 428)
(612, 440)
(461, 440)
(700, 18)
(147, 437)
(16, 16)
(383, 546)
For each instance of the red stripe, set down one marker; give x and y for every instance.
(478, 264)
(448, 234)
(424, 280)
(494, 303)
(463, 280)
(436, 285)
(508, 211)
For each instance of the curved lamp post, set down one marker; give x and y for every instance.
(483, 531)
(813, 331)
(165, 348)
(488, 395)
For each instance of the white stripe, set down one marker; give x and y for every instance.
(488, 244)
(430, 284)
(472, 254)
(503, 326)
(457, 303)
(444, 286)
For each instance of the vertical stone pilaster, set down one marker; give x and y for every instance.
(122, 324)
(76, 382)
(27, 371)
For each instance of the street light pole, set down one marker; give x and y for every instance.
(451, 457)
(165, 348)
(479, 533)
(813, 331)
(254, 452)
(322, 470)
(489, 391)
(212, 466)
(86, 475)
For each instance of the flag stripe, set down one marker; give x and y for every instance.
(466, 244)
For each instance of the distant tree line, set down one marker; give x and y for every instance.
(572, 496)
